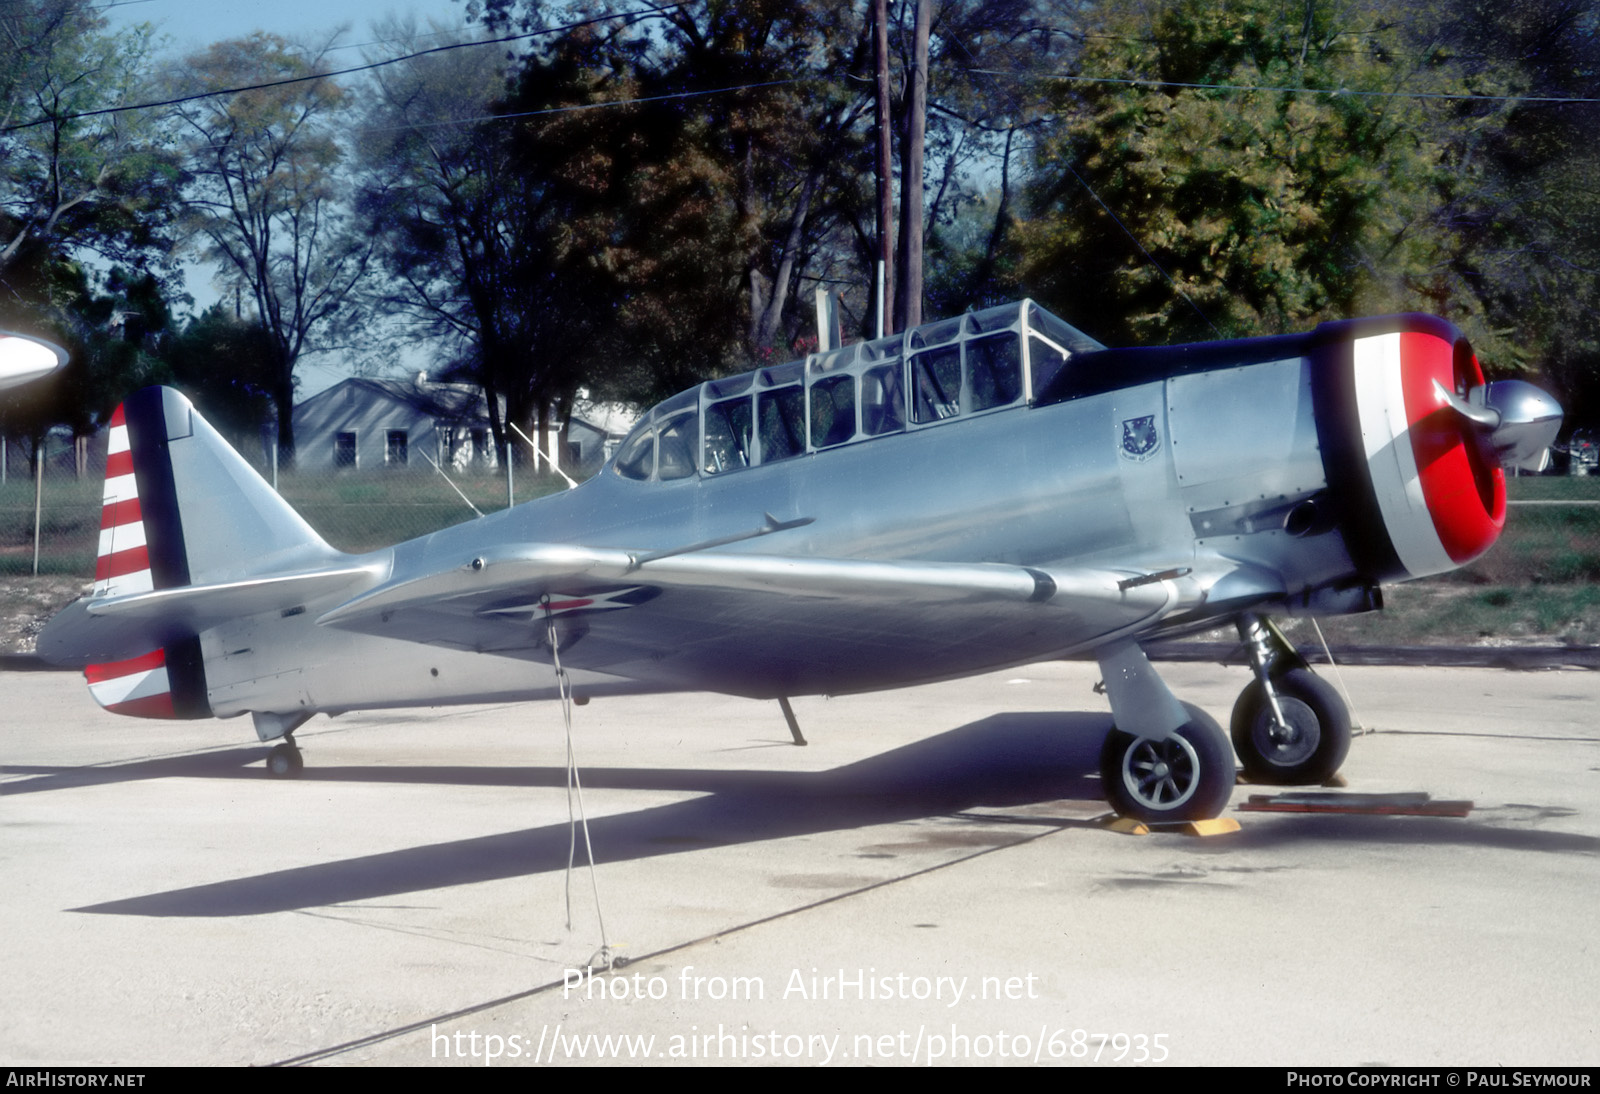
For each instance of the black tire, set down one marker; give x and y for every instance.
(1319, 731)
(1189, 776)
(285, 762)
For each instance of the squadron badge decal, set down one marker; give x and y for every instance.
(1140, 440)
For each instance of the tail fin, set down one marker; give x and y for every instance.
(181, 508)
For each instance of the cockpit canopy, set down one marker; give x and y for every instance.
(977, 363)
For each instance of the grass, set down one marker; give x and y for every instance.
(362, 513)
(352, 513)
(69, 526)
(1543, 543)
(1424, 613)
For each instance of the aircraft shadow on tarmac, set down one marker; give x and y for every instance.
(1007, 759)
(1002, 760)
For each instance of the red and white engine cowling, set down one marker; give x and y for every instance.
(1439, 493)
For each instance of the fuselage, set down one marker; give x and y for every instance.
(1263, 473)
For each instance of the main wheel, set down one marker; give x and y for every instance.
(285, 762)
(1306, 751)
(1189, 776)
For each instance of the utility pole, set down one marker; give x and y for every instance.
(880, 38)
(909, 298)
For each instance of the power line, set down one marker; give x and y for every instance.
(572, 108)
(289, 81)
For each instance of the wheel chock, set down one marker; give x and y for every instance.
(1337, 781)
(1128, 826)
(1216, 826)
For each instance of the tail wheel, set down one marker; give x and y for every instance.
(285, 762)
(1189, 776)
(1312, 744)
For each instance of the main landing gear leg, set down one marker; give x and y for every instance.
(1164, 761)
(1290, 727)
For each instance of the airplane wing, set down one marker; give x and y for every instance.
(687, 619)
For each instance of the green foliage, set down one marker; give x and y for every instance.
(1532, 226)
(695, 207)
(1269, 208)
(72, 179)
(115, 330)
(667, 187)
(227, 365)
(475, 236)
(76, 190)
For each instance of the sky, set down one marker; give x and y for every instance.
(194, 24)
(191, 25)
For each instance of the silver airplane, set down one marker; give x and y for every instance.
(980, 492)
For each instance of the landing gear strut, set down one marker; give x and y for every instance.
(1290, 727)
(285, 761)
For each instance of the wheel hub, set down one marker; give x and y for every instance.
(1293, 741)
(1161, 775)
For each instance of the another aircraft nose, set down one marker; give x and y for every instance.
(23, 358)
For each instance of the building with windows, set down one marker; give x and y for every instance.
(373, 425)
(366, 425)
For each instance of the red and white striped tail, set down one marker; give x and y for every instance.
(122, 566)
(181, 511)
(153, 684)
(139, 686)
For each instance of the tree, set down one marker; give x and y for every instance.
(73, 183)
(1268, 207)
(227, 365)
(730, 176)
(116, 329)
(477, 238)
(970, 77)
(264, 195)
(70, 178)
(1530, 228)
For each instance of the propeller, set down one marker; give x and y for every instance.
(1515, 420)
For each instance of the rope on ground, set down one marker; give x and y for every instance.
(603, 958)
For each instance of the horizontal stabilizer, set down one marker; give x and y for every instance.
(113, 628)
